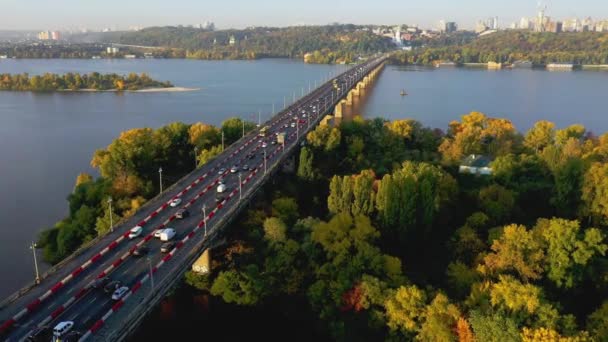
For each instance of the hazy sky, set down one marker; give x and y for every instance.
(120, 14)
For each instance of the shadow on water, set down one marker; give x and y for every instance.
(191, 315)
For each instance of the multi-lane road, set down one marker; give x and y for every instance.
(68, 295)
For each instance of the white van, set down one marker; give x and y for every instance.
(167, 234)
(62, 328)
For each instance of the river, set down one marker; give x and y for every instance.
(47, 139)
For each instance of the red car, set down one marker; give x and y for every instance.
(302, 121)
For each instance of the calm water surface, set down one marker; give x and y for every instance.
(47, 139)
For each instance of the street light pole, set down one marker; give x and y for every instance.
(243, 121)
(160, 177)
(111, 219)
(151, 275)
(33, 248)
(259, 118)
(264, 160)
(297, 129)
(205, 217)
(240, 187)
(273, 108)
(195, 157)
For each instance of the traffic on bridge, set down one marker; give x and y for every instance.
(104, 292)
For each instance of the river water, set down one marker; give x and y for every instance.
(47, 139)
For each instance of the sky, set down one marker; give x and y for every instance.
(123, 14)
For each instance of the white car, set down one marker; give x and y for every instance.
(264, 144)
(303, 115)
(221, 188)
(119, 293)
(62, 328)
(234, 169)
(175, 202)
(293, 125)
(158, 232)
(221, 171)
(135, 232)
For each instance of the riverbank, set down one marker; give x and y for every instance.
(145, 90)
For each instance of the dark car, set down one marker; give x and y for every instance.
(182, 213)
(111, 286)
(100, 282)
(44, 333)
(219, 199)
(252, 155)
(141, 251)
(167, 247)
(72, 336)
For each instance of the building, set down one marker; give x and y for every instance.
(494, 22)
(494, 65)
(397, 37)
(476, 164)
(207, 25)
(553, 26)
(480, 27)
(44, 35)
(560, 66)
(130, 56)
(525, 24)
(447, 27)
(55, 35)
(112, 50)
(232, 40)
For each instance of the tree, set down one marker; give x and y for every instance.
(242, 288)
(567, 250)
(363, 193)
(540, 136)
(285, 208)
(595, 193)
(207, 155)
(440, 320)
(204, 136)
(83, 178)
(568, 185)
(515, 296)
(518, 250)
(549, 335)
(275, 230)
(405, 308)
(597, 322)
(305, 166)
(334, 200)
(233, 129)
(493, 328)
(497, 202)
(463, 331)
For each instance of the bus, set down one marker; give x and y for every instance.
(264, 131)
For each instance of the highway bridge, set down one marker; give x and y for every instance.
(67, 294)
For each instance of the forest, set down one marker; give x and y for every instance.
(128, 170)
(75, 82)
(378, 235)
(515, 45)
(343, 41)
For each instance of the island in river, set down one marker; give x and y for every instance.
(84, 82)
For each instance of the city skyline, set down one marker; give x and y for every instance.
(66, 14)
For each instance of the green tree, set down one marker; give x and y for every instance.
(497, 202)
(595, 192)
(494, 327)
(275, 230)
(440, 318)
(540, 136)
(242, 288)
(405, 308)
(305, 166)
(285, 208)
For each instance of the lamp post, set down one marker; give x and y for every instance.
(205, 217)
(243, 121)
(264, 160)
(151, 275)
(240, 187)
(111, 219)
(160, 176)
(259, 118)
(195, 157)
(33, 248)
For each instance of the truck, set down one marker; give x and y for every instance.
(167, 234)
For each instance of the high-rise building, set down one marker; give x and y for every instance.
(494, 25)
(448, 26)
(55, 35)
(480, 27)
(525, 23)
(44, 35)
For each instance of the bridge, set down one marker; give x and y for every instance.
(68, 293)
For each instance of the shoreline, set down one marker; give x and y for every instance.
(144, 90)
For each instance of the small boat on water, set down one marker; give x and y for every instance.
(403, 93)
